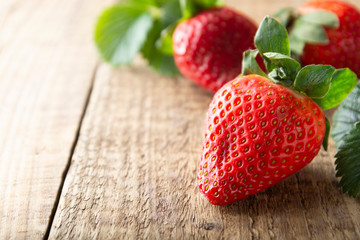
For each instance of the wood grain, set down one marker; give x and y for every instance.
(47, 63)
(133, 174)
(134, 168)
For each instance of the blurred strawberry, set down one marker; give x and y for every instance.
(326, 32)
(208, 48)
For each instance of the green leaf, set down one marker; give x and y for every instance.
(323, 18)
(284, 16)
(346, 116)
(250, 65)
(278, 75)
(311, 33)
(314, 80)
(164, 43)
(325, 142)
(348, 162)
(210, 3)
(191, 7)
(162, 63)
(297, 45)
(309, 28)
(342, 83)
(146, 3)
(346, 133)
(272, 37)
(121, 32)
(289, 66)
(188, 8)
(171, 12)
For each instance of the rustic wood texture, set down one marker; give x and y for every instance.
(133, 174)
(47, 62)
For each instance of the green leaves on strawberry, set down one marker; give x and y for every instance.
(272, 37)
(324, 32)
(261, 129)
(320, 82)
(119, 43)
(133, 26)
(144, 26)
(154, 52)
(201, 39)
(341, 84)
(190, 8)
(307, 27)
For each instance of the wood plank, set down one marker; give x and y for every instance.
(133, 173)
(47, 63)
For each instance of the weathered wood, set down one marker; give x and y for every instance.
(47, 62)
(133, 174)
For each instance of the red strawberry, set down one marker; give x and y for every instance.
(257, 133)
(262, 128)
(343, 49)
(208, 48)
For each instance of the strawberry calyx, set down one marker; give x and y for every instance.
(307, 27)
(324, 84)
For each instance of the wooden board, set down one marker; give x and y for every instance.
(133, 174)
(133, 170)
(47, 63)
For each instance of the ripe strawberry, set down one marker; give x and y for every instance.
(208, 48)
(343, 49)
(262, 128)
(257, 133)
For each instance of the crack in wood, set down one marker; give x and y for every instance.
(72, 151)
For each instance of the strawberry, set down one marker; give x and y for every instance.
(207, 48)
(258, 133)
(134, 27)
(326, 40)
(260, 129)
(343, 49)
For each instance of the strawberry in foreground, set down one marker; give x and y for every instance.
(262, 128)
(326, 32)
(208, 48)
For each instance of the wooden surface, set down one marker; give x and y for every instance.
(87, 151)
(47, 65)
